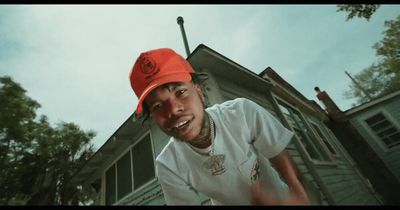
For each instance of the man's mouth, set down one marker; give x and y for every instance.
(181, 124)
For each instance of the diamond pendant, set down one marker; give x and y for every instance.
(216, 164)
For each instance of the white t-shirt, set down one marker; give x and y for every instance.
(182, 172)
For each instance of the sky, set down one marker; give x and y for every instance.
(75, 59)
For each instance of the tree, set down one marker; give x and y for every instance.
(384, 77)
(372, 81)
(359, 10)
(38, 160)
(60, 152)
(389, 48)
(16, 120)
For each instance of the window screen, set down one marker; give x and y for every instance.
(124, 175)
(384, 129)
(110, 186)
(143, 165)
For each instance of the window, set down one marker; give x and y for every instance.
(303, 132)
(124, 175)
(323, 138)
(110, 186)
(143, 165)
(130, 172)
(384, 129)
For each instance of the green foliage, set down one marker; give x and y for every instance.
(384, 77)
(38, 160)
(389, 47)
(359, 10)
(16, 120)
(372, 80)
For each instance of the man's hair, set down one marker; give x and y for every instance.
(197, 78)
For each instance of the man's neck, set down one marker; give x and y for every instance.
(204, 138)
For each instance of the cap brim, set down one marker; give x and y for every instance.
(177, 77)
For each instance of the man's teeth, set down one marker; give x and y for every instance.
(181, 124)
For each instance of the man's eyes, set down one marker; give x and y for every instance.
(155, 107)
(180, 92)
(158, 105)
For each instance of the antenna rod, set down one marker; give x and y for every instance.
(358, 86)
(180, 23)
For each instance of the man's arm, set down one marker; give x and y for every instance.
(286, 168)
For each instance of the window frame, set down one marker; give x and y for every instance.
(154, 162)
(315, 141)
(116, 175)
(374, 135)
(114, 163)
(105, 184)
(324, 138)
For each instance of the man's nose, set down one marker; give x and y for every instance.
(175, 107)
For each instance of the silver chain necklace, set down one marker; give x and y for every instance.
(211, 134)
(216, 162)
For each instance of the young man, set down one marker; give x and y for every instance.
(224, 151)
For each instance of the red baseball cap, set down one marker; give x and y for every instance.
(157, 67)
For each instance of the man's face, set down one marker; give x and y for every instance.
(178, 109)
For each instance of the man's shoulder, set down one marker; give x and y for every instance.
(238, 108)
(236, 101)
(233, 103)
(230, 110)
(166, 152)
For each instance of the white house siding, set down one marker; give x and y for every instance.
(391, 110)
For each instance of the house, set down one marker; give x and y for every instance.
(122, 170)
(371, 132)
